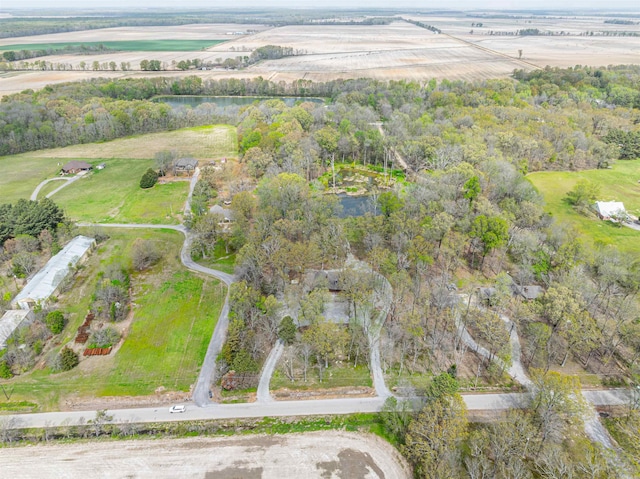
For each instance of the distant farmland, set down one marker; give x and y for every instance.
(123, 46)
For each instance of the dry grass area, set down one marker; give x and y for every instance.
(207, 142)
(291, 456)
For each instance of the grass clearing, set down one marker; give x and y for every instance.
(619, 183)
(123, 46)
(204, 142)
(20, 174)
(336, 376)
(221, 260)
(175, 314)
(113, 195)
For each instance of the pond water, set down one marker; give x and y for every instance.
(225, 101)
(355, 205)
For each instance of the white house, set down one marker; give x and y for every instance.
(610, 210)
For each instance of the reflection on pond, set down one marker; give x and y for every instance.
(225, 101)
(357, 206)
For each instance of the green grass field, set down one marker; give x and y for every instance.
(619, 184)
(20, 174)
(113, 195)
(123, 46)
(204, 142)
(175, 314)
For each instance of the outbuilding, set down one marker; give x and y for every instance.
(610, 210)
(45, 282)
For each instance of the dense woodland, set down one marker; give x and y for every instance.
(464, 216)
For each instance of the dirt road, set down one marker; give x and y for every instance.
(310, 455)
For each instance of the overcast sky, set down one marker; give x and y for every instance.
(459, 4)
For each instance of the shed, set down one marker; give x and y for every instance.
(182, 165)
(610, 210)
(45, 282)
(12, 320)
(75, 166)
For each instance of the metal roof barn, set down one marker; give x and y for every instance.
(45, 281)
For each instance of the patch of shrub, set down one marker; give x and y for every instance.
(55, 321)
(104, 338)
(149, 179)
(66, 360)
(5, 370)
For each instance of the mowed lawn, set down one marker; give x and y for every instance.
(617, 184)
(113, 195)
(123, 45)
(175, 313)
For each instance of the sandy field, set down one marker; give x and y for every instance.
(330, 454)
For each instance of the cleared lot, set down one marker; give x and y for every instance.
(310, 455)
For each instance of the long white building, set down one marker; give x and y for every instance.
(45, 282)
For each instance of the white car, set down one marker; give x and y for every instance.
(178, 408)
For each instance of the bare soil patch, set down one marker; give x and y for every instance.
(311, 455)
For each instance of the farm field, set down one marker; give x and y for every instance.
(619, 184)
(174, 315)
(399, 50)
(203, 31)
(126, 45)
(543, 50)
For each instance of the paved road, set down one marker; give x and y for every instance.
(192, 185)
(263, 394)
(475, 402)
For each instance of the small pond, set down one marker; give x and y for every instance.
(355, 205)
(225, 101)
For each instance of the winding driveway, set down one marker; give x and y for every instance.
(68, 181)
(592, 425)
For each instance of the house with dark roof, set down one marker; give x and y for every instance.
(183, 165)
(75, 166)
